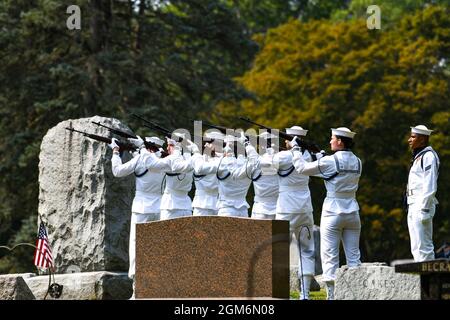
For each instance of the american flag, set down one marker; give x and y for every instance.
(43, 254)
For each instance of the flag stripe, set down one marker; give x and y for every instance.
(43, 255)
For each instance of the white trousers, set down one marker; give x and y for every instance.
(263, 216)
(299, 223)
(135, 219)
(233, 212)
(335, 228)
(174, 213)
(204, 212)
(421, 234)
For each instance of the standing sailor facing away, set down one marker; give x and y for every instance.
(206, 182)
(175, 202)
(421, 191)
(147, 200)
(294, 204)
(265, 181)
(340, 212)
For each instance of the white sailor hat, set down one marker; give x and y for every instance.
(229, 138)
(296, 131)
(179, 134)
(421, 129)
(155, 140)
(216, 135)
(343, 132)
(174, 142)
(266, 135)
(171, 142)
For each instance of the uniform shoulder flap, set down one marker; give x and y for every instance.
(429, 158)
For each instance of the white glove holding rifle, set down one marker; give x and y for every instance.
(294, 143)
(138, 142)
(192, 147)
(113, 144)
(243, 139)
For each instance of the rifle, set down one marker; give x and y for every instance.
(167, 133)
(158, 128)
(224, 130)
(305, 144)
(148, 144)
(123, 145)
(116, 131)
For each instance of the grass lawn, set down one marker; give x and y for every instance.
(313, 295)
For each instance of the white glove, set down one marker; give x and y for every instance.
(139, 142)
(243, 139)
(293, 143)
(192, 147)
(228, 148)
(113, 143)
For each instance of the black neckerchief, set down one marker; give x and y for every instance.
(415, 153)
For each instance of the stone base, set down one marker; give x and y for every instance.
(14, 287)
(293, 280)
(100, 285)
(375, 281)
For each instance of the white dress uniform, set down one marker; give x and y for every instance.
(175, 201)
(294, 204)
(265, 184)
(206, 185)
(340, 212)
(147, 200)
(421, 191)
(233, 176)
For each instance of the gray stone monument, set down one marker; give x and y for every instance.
(13, 287)
(87, 212)
(375, 281)
(85, 208)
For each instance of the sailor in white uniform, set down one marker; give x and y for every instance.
(234, 175)
(294, 204)
(340, 212)
(265, 181)
(177, 183)
(205, 179)
(147, 200)
(421, 191)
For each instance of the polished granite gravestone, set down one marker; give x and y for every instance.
(212, 256)
(434, 277)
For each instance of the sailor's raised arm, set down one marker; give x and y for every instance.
(324, 167)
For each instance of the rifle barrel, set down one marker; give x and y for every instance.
(123, 145)
(116, 131)
(304, 143)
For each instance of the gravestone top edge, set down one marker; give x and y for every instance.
(425, 267)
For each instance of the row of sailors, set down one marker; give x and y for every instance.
(280, 181)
